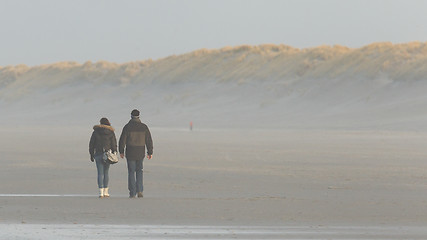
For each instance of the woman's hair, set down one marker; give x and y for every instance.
(104, 121)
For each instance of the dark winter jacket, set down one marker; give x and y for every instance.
(103, 138)
(135, 136)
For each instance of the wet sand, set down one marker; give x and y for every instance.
(77, 231)
(344, 182)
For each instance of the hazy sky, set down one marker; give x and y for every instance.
(36, 32)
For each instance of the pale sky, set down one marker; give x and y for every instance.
(35, 32)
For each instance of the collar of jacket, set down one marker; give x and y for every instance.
(103, 126)
(135, 120)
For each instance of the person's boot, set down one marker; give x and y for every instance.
(101, 192)
(106, 192)
(140, 195)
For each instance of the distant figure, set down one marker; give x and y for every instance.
(191, 126)
(102, 139)
(135, 136)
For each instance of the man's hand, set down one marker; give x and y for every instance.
(149, 157)
(122, 155)
(92, 159)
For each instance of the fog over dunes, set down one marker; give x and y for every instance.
(379, 86)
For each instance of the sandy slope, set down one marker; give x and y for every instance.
(379, 86)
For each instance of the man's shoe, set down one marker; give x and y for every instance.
(132, 196)
(140, 195)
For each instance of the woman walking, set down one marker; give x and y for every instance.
(102, 139)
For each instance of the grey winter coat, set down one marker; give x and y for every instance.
(103, 138)
(135, 136)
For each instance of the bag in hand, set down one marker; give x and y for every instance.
(110, 157)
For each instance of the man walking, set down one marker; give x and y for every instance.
(135, 136)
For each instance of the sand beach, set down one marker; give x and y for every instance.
(322, 184)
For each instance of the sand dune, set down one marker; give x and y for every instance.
(378, 86)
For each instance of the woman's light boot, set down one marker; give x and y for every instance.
(101, 192)
(106, 192)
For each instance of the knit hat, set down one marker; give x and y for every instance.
(135, 113)
(104, 121)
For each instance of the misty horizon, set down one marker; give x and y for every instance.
(222, 49)
(378, 86)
